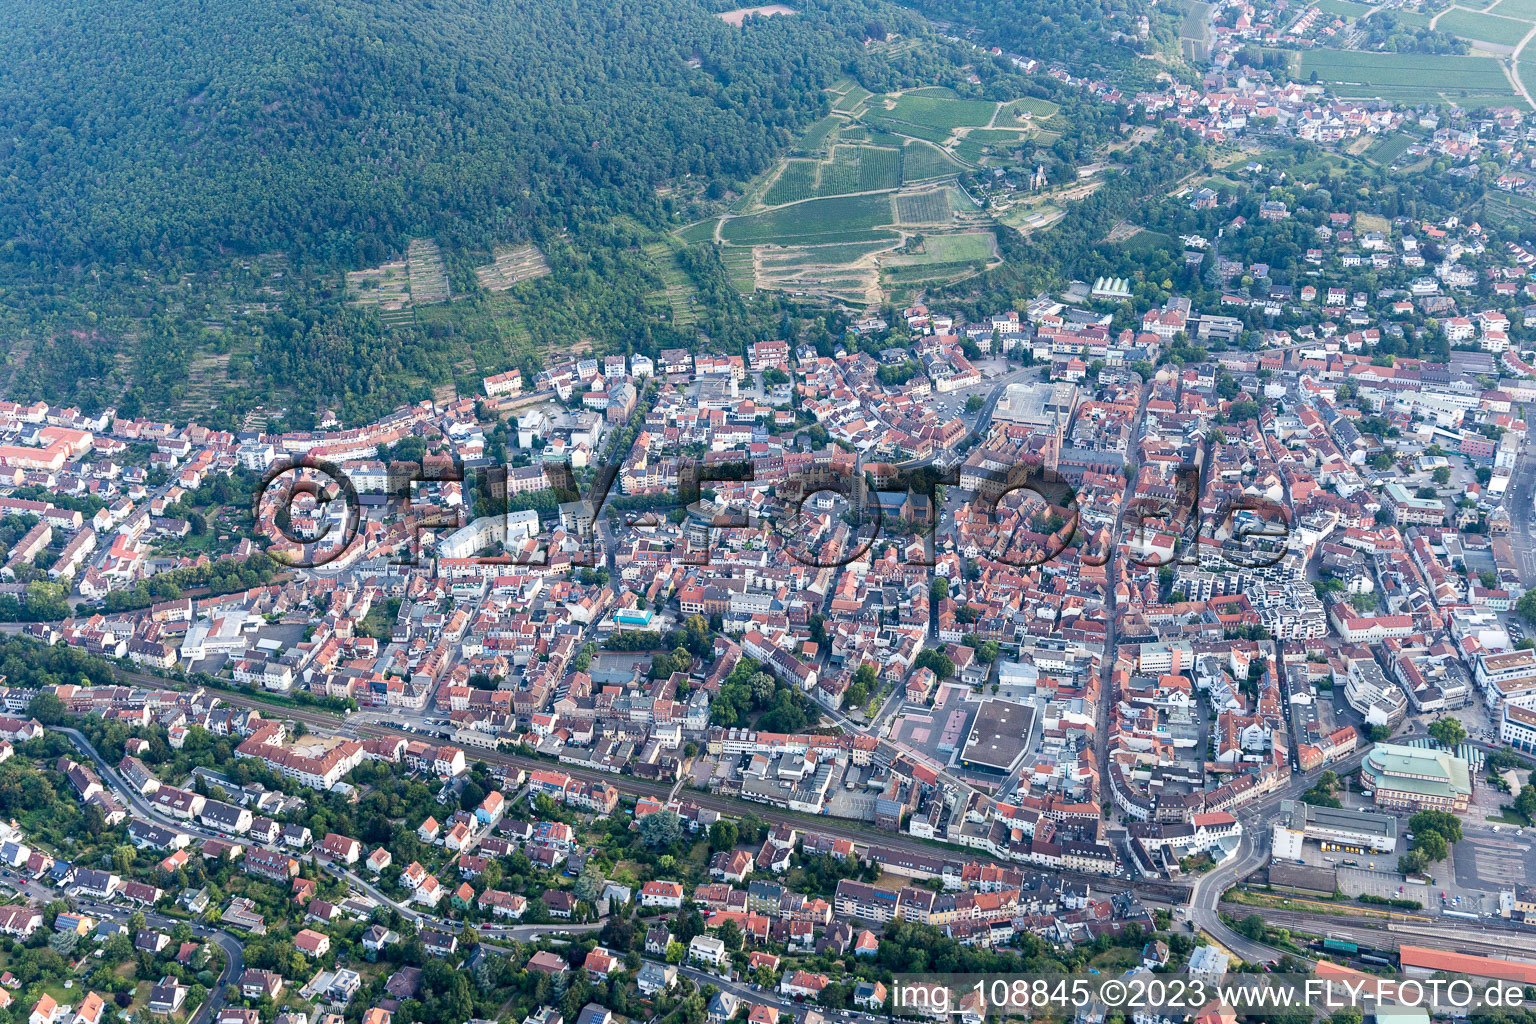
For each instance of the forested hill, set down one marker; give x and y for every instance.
(151, 131)
(1091, 37)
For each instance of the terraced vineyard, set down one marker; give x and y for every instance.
(387, 288)
(815, 138)
(843, 272)
(511, 265)
(738, 267)
(429, 275)
(879, 168)
(931, 207)
(841, 218)
(678, 286)
(795, 182)
(921, 161)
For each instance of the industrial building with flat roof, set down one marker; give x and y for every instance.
(1416, 778)
(1363, 830)
(1037, 405)
(999, 736)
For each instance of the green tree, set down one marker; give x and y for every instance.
(1431, 845)
(47, 709)
(1448, 732)
(1444, 823)
(1526, 607)
(1525, 801)
(661, 829)
(937, 661)
(722, 835)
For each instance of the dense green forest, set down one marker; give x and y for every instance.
(182, 188)
(147, 131)
(1091, 37)
(178, 180)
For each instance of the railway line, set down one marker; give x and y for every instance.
(1465, 937)
(838, 828)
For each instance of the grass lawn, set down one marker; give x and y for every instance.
(1114, 961)
(971, 245)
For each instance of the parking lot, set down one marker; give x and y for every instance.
(1491, 858)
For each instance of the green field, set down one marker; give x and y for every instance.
(703, 231)
(858, 94)
(1523, 10)
(798, 181)
(972, 246)
(889, 124)
(1510, 208)
(1192, 31)
(921, 161)
(943, 112)
(1485, 28)
(1346, 9)
(1390, 148)
(879, 168)
(845, 218)
(1411, 77)
(930, 207)
(815, 138)
(1040, 109)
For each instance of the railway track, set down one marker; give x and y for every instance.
(1474, 938)
(837, 828)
